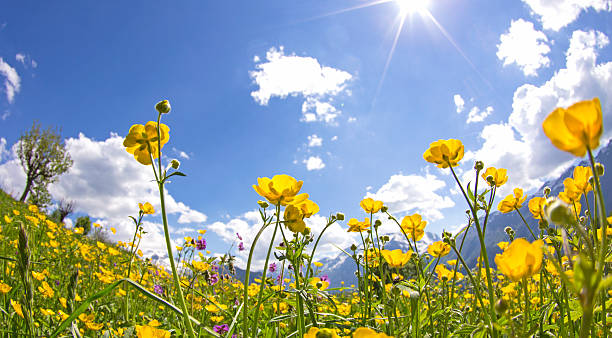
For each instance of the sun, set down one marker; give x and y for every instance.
(411, 6)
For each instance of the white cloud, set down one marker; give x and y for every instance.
(334, 138)
(181, 153)
(520, 144)
(107, 183)
(556, 14)
(3, 151)
(478, 115)
(315, 141)
(459, 103)
(314, 163)
(248, 224)
(414, 193)
(20, 57)
(352, 119)
(12, 81)
(283, 75)
(525, 46)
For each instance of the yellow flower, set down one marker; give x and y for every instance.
(521, 259)
(576, 128)
(308, 208)
(142, 139)
(319, 284)
(511, 202)
(17, 307)
(500, 176)
(5, 288)
(581, 178)
(371, 206)
(571, 193)
(356, 226)
(413, 226)
(294, 220)
(146, 208)
(503, 245)
(444, 153)
(281, 189)
(146, 331)
(33, 208)
(364, 332)
(46, 290)
(315, 332)
(113, 230)
(439, 249)
(536, 206)
(396, 258)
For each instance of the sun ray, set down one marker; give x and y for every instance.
(348, 9)
(389, 57)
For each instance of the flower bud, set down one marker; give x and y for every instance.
(507, 230)
(340, 216)
(175, 164)
(600, 169)
(501, 306)
(478, 165)
(386, 238)
(384, 208)
(546, 191)
(490, 180)
(163, 107)
(263, 204)
(306, 231)
(558, 212)
(377, 223)
(353, 247)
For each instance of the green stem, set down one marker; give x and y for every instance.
(263, 277)
(526, 224)
(245, 297)
(177, 283)
(483, 248)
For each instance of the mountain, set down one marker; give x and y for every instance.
(342, 267)
(497, 221)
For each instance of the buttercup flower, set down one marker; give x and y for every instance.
(536, 206)
(356, 226)
(413, 226)
(364, 332)
(521, 259)
(281, 189)
(576, 128)
(581, 178)
(142, 139)
(371, 206)
(294, 220)
(146, 208)
(511, 202)
(500, 176)
(308, 208)
(396, 258)
(146, 331)
(444, 153)
(438, 249)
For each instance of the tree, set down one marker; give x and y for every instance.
(85, 223)
(43, 157)
(64, 209)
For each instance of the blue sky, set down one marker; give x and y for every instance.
(307, 88)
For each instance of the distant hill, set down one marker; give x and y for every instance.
(342, 267)
(498, 221)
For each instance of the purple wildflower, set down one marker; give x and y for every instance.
(324, 278)
(272, 267)
(239, 237)
(221, 329)
(241, 246)
(201, 244)
(214, 278)
(158, 289)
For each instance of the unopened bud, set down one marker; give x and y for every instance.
(507, 230)
(377, 223)
(546, 191)
(558, 212)
(600, 169)
(384, 208)
(386, 238)
(163, 107)
(306, 231)
(175, 164)
(353, 247)
(490, 180)
(501, 306)
(263, 204)
(340, 216)
(478, 165)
